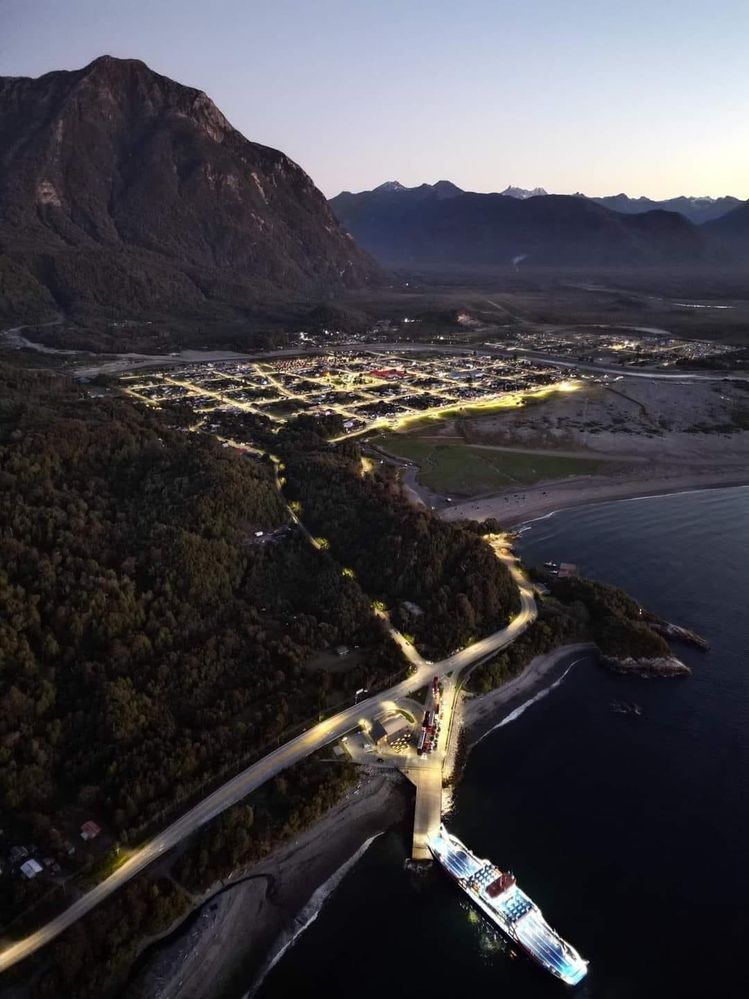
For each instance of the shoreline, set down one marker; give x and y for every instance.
(483, 713)
(235, 935)
(238, 932)
(230, 939)
(521, 508)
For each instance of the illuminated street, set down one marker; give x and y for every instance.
(367, 390)
(292, 752)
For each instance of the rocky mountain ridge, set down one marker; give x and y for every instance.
(432, 226)
(122, 190)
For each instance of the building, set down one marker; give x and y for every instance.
(387, 373)
(567, 569)
(31, 868)
(89, 830)
(387, 731)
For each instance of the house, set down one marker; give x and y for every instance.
(89, 830)
(388, 373)
(31, 868)
(389, 730)
(567, 569)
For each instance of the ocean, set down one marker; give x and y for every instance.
(630, 832)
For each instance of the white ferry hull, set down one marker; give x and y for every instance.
(512, 911)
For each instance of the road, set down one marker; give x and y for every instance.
(285, 756)
(14, 339)
(131, 362)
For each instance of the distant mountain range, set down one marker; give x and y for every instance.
(442, 226)
(697, 210)
(122, 190)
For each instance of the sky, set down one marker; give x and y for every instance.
(598, 96)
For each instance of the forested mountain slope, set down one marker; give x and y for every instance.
(413, 227)
(122, 191)
(441, 582)
(148, 642)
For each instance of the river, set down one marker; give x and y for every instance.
(631, 832)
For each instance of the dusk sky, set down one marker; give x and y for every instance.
(599, 96)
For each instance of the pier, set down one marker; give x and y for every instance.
(427, 809)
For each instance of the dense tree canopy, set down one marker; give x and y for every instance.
(149, 643)
(92, 958)
(399, 554)
(577, 610)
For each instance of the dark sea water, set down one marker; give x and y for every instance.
(631, 833)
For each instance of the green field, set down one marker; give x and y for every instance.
(468, 470)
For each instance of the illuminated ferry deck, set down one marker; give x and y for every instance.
(535, 934)
(512, 909)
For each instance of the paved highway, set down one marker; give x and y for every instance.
(134, 362)
(285, 756)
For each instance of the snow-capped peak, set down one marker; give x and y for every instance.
(522, 192)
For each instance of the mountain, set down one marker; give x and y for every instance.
(731, 231)
(440, 189)
(697, 210)
(414, 227)
(522, 192)
(124, 191)
(392, 193)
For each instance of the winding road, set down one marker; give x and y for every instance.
(292, 752)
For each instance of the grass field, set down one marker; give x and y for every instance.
(469, 471)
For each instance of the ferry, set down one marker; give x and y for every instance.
(498, 896)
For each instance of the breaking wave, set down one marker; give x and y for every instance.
(518, 711)
(308, 915)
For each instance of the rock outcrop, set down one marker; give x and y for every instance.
(662, 666)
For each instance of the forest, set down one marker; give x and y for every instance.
(442, 584)
(577, 610)
(159, 617)
(93, 958)
(149, 645)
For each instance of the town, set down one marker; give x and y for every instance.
(601, 345)
(368, 390)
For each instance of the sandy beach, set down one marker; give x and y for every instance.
(646, 439)
(520, 506)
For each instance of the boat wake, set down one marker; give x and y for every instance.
(307, 916)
